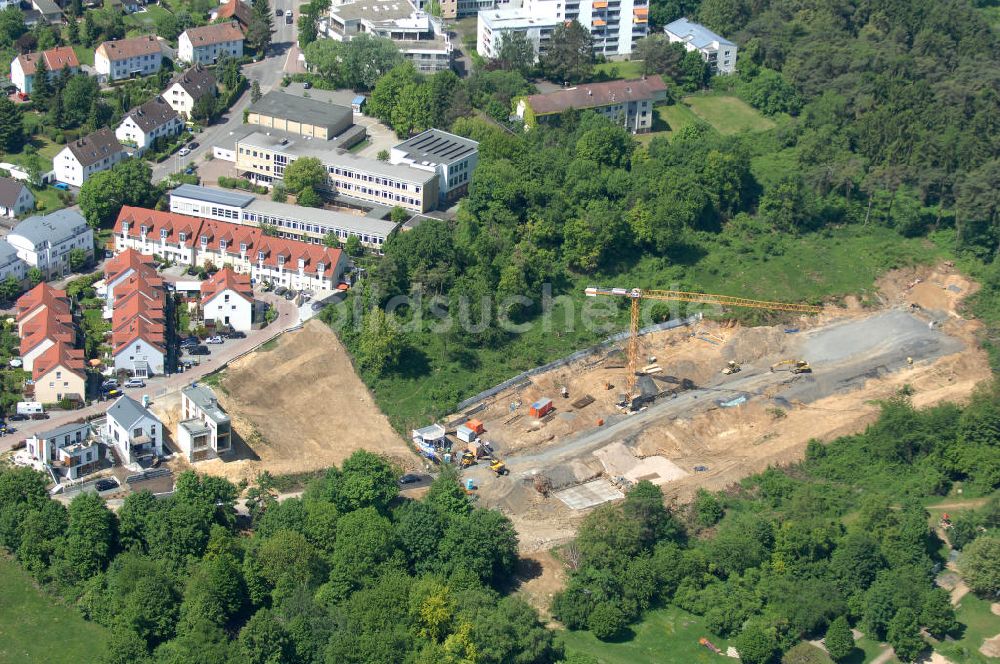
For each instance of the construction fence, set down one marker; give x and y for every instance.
(569, 359)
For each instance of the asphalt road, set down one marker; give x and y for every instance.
(268, 73)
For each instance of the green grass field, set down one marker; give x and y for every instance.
(34, 628)
(624, 69)
(84, 55)
(979, 623)
(144, 22)
(665, 636)
(667, 120)
(47, 200)
(729, 115)
(47, 150)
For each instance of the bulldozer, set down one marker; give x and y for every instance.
(795, 366)
(468, 459)
(498, 467)
(732, 367)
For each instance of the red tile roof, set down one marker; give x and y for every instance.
(44, 295)
(129, 260)
(238, 10)
(137, 304)
(44, 327)
(593, 95)
(226, 279)
(138, 328)
(55, 59)
(218, 33)
(62, 355)
(139, 300)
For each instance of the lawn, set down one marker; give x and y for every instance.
(47, 150)
(145, 22)
(47, 200)
(34, 628)
(727, 114)
(84, 54)
(978, 623)
(664, 636)
(616, 70)
(667, 120)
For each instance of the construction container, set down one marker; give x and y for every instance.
(465, 434)
(540, 408)
(476, 426)
(470, 484)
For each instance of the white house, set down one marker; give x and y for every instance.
(46, 241)
(227, 299)
(133, 431)
(128, 58)
(718, 52)
(11, 264)
(88, 155)
(138, 348)
(15, 198)
(23, 67)
(144, 124)
(187, 88)
(70, 451)
(204, 430)
(205, 45)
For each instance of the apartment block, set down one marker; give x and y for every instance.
(629, 103)
(718, 52)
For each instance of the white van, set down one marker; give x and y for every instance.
(29, 408)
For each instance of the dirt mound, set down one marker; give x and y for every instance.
(753, 343)
(300, 406)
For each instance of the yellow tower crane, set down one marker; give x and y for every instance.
(638, 294)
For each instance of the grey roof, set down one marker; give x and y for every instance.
(437, 147)
(352, 223)
(10, 190)
(298, 146)
(204, 398)
(63, 430)
(57, 227)
(301, 109)
(208, 195)
(196, 427)
(46, 7)
(8, 254)
(374, 10)
(94, 147)
(153, 114)
(196, 81)
(127, 411)
(695, 33)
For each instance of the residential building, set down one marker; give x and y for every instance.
(204, 430)
(614, 25)
(143, 125)
(46, 241)
(88, 155)
(452, 158)
(205, 45)
(128, 58)
(301, 116)
(630, 103)
(288, 221)
(138, 302)
(70, 451)
(15, 198)
(48, 11)
(11, 265)
(42, 333)
(60, 373)
(419, 36)
(23, 67)
(187, 88)
(235, 10)
(42, 300)
(359, 181)
(133, 431)
(718, 52)
(284, 262)
(227, 300)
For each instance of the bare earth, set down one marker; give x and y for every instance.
(299, 407)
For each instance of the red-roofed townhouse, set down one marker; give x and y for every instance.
(59, 373)
(40, 334)
(43, 299)
(227, 299)
(136, 302)
(156, 233)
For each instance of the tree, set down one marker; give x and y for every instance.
(724, 16)
(255, 93)
(305, 172)
(419, 528)
(77, 259)
(261, 27)
(35, 277)
(938, 614)
(204, 108)
(90, 538)
(707, 508)
(980, 565)
(11, 126)
(331, 240)
(324, 58)
(756, 644)
(353, 246)
(41, 88)
(11, 25)
(399, 215)
(383, 155)
(9, 289)
(263, 640)
(839, 640)
(608, 144)
(309, 198)
(516, 53)
(414, 110)
(606, 620)
(79, 98)
(366, 480)
(484, 542)
(367, 58)
(659, 56)
(693, 71)
(570, 56)
(388, 90)
(129, 182)
(382, 341)
(446, 494)
(903, 634)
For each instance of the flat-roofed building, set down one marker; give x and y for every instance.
(289, 221)
(452, 157)
(495, 25)
(300, 115)
(263, 157)
(205, 430)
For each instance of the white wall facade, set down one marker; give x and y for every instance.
(25, 203)
(229, 308)
(129, 133)
(139, 350)
(121, 435)
(51, 259)
(70, 171)
(207, 54)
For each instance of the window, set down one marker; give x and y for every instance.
(243, 247)
(163, 233)
(260, 255)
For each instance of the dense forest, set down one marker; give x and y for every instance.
(794, 553)
(349, 572)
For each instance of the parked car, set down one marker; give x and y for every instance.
(106, 484)
(316, 306)
(62, 186)
(189, 170)
(135, 382)
(113, 394)
(236, 334)
(109, 384)
(18, 417)
(214, 340)
(193, 145)
(307, 85)
(409, 478)
(199, 350)
(184, 151)
(40, 416)
(189, 341)
(280, 290)
(6, 430)
(290, 294)
(278, 12)
(288, 18)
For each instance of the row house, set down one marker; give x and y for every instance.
(137, 298)
(246, 249)
(227, 300)
(48, 344)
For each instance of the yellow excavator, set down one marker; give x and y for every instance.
(468, 459)
(795, 366)
(498, 467)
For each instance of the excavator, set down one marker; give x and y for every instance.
(468, 459)
(639, 294)
(498, 467)
(795, 366)
(732, 367)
